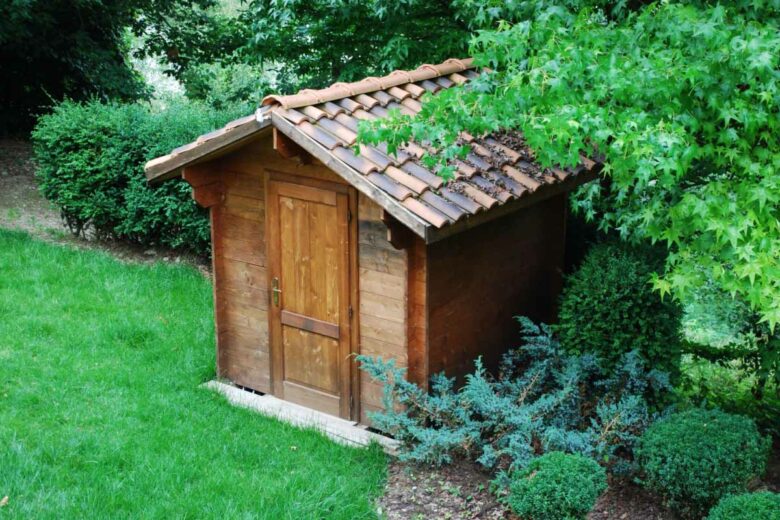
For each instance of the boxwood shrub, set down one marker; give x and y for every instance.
(763, 505)
(90, 159)
(608, 307)
(557, 486)
(695, 458)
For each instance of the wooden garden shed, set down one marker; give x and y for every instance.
(320, 253)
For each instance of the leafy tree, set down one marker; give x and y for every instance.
(78, 49)
(313, 43)
(679, 99)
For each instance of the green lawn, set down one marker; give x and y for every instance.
(101, 415)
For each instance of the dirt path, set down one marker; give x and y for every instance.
(22, 207)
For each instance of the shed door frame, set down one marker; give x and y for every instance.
(349, 374)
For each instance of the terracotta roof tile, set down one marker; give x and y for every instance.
(379, 111)
(375, 156)
(390, 186)
(349, 104)
(461, 200)
(425, 212)
(457, 78)
(478, 196)
(383, 97)
(339, 130)
(414, 90)
(313, 112)
(321, 136)
(412, 104)
(368, 102)
(423, 174)
(398, 93)
(451, 210)
(499, 167)
(430, 86)
(332, 109)
(413, 183)
(445, 82)
(359, 163)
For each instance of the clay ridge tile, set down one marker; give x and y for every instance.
(394, 79)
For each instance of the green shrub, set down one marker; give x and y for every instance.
(557, 486)
(608, 308)
(747, 506)
(695, 458)
(90, 160)
(541, 399)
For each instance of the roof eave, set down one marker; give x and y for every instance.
(170, 166)
(570, 183)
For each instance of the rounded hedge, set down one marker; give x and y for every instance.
(557, 486)
(748, 506)
(695, 458)
(608, 308)
(91, 157)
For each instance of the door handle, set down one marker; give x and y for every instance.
(275, 291)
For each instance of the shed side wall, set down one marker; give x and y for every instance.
(241, 296)
(480, 279)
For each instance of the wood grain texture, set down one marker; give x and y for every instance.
(417, 327)
(308, 237)
(240, 277)
(383, 299)
(479, 280)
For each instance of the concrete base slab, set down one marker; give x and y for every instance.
(338, 429)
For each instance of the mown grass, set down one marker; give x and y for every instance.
(101, 415)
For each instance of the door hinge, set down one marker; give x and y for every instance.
(350, 312)
(349, 215)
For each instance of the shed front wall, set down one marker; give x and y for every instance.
(480, 279)
(241, 289)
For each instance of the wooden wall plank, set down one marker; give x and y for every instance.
(479, 280)
(383, 299)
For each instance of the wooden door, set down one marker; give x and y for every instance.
(309, 278)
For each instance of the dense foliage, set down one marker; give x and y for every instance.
(695, 458)
(679, 99)
(557, 486)
(311, 44)
(90, 160)
(315, 43)
(747, 506)
(542, 400)
(609, 308)
(225, 85)
(76, 49)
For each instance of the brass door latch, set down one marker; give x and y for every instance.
(275, 291)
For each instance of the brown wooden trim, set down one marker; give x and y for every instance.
(206, 151)
(299, 321)
(417, 313)
(304, 180)
(354, 281)
(289, 149)
(215, 218)
(273, 244)
(399, 236)
(547, 192)
(309, 193)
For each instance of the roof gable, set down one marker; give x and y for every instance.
(499, 171)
